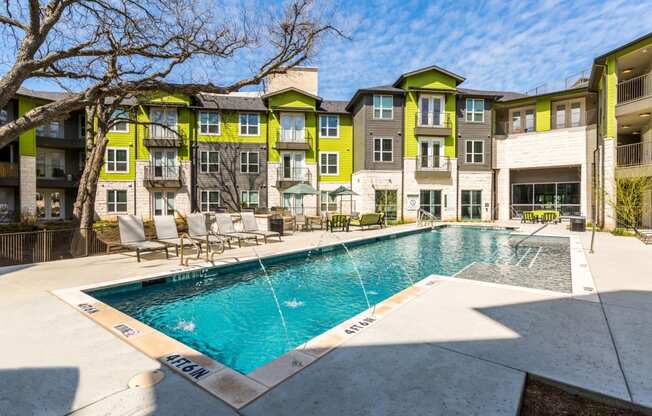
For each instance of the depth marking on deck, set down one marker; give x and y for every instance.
(355, 328)
(186, 366)
(125, 330)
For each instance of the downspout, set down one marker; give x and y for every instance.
(402, 134)
(193, 165)
(135, 161)
(599, 137)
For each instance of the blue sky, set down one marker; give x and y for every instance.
(500, 45)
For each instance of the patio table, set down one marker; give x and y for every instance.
(540, 213)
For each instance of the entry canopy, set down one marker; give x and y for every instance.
(341, 191)
(301, 189)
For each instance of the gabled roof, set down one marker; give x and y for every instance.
(453, 75)
(598, 63)
(498, 95)
(378, 89)
(284, 90)
(230, 102)
(333, 106)
(42, 95)
(517, 96)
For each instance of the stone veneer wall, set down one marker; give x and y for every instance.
(365, 183)
(28, 185)
(446, 182)
(478, 181)
(101, 198)
(274, 198)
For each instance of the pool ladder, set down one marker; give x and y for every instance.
(210, 254)
(425, 218)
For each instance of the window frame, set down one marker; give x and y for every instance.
(165, 197)
(382, 150)
(208, 163)
(381, 108)
(107, 161)
(337, 126)
(523, 117)
(248, 171)
(328, 203)
(113, 128)
(249, 192)
(474, 111)
(82, 125)
(240, 125)
(207, 192)
(209, 124)
(115, 201)
(327, 165)
(473, 153)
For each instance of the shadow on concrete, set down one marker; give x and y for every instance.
(38, 391)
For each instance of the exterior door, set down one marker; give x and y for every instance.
(430, 201)
(386, 201)
(163, 117)
(431, 153)
(431, 110)
(293, 127)
(165, 163)
(293, 165)
(472, 205)
(50, 204)
(294, 203)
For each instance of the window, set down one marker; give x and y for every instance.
(249, 199)
(4, 115)
(529, 120)
(523, 120)
(474, 151)
(117, 160)
(475, 110)
(50, 163)
(383, 149)
(576, 115)
(116, 201)
(431, 110)
(209, 161)
(516, 122)
(383, 107)
(471, 205)
(121, 126)
(210, 201)
(294, 203)
(293, 166)
(163, 203)
(430, 201)
(560, 116)
(386, 201)
(165, 120)
(431, 153)
(52, 129)
(328, 163)
(328, 202)
(561, 196)
(82, 126)
(209, 123)
(249, 124)
(329, 126)
(248, 162)
(50, 204)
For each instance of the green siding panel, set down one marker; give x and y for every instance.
(431, 80)
(543, 114)
(411, 144)
(293, 99)
(230, 129)
(274, 125)
(27, 140)
(612, 85)
(344, 147)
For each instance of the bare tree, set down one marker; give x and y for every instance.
(112, 47)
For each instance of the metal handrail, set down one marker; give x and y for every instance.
(8, 170)
(423, 213)
(530, 235)
(635, 88)
(293, 135)
(634, 154)
(194, 243)
(168, 172)
(296, 174)
(434, 163)
(430, 118)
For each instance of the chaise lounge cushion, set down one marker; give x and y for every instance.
(367, 220)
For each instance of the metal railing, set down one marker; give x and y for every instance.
(635, 88)
(433, 163)
(634, 154)
(162, 172)
(587, 117)
(47, 245)
(425, 218)
(294, 174)
(433, 119)
(8, 170)
(293, 135)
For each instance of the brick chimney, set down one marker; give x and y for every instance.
(303, 78)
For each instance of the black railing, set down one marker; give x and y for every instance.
(162, 172)
(293, 174)
(433, 164)
(433, 119)
(9, 170)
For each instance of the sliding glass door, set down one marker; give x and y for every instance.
(561, 196)
(430, 201)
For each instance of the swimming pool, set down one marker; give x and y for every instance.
(231, 315)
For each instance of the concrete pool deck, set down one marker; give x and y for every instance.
(461, 347)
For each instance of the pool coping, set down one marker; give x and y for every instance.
(237, 389)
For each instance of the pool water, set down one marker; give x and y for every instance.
(232, 317)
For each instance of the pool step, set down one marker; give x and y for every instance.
(526, 257)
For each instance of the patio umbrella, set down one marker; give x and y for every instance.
(341, 191)
(301, 189)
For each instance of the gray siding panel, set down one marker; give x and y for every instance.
(359, 136)
(384, 128)
(474, 131)
(229, 181)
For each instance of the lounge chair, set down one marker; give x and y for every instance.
(166, 232)
(198, 232)
(132, 236)
(226, 229)
(301, 223)
(339, 221)
(367, 220)
(249, 225)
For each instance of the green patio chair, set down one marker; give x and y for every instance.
(550, 217)
(338, 221)
(366, 220)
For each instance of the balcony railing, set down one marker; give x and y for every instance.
(433, 164)
(292, 136)
(433, 119)
(635, 88)
(587, 117)
(162, 175)
(8, 170)
(289, 174)
(157, 136)
(634, 154)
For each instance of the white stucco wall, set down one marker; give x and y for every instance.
(28, 185)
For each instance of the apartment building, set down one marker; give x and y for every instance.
(423, 142)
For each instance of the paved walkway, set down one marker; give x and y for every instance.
(463, 347)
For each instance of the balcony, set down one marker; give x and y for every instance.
(433, 166)
(9, 173)
(433, 123)
(286, 176)
(156, 136)
(635, 88)
(164, 176)
(635, 155)
(60, 142)
(291, 139)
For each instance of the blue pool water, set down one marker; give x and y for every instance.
(232, 316)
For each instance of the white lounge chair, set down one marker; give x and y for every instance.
(166, 232)
(250, 225)
(132, 236)
(198, 232)
(226, 229)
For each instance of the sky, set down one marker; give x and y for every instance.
(494, 44)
